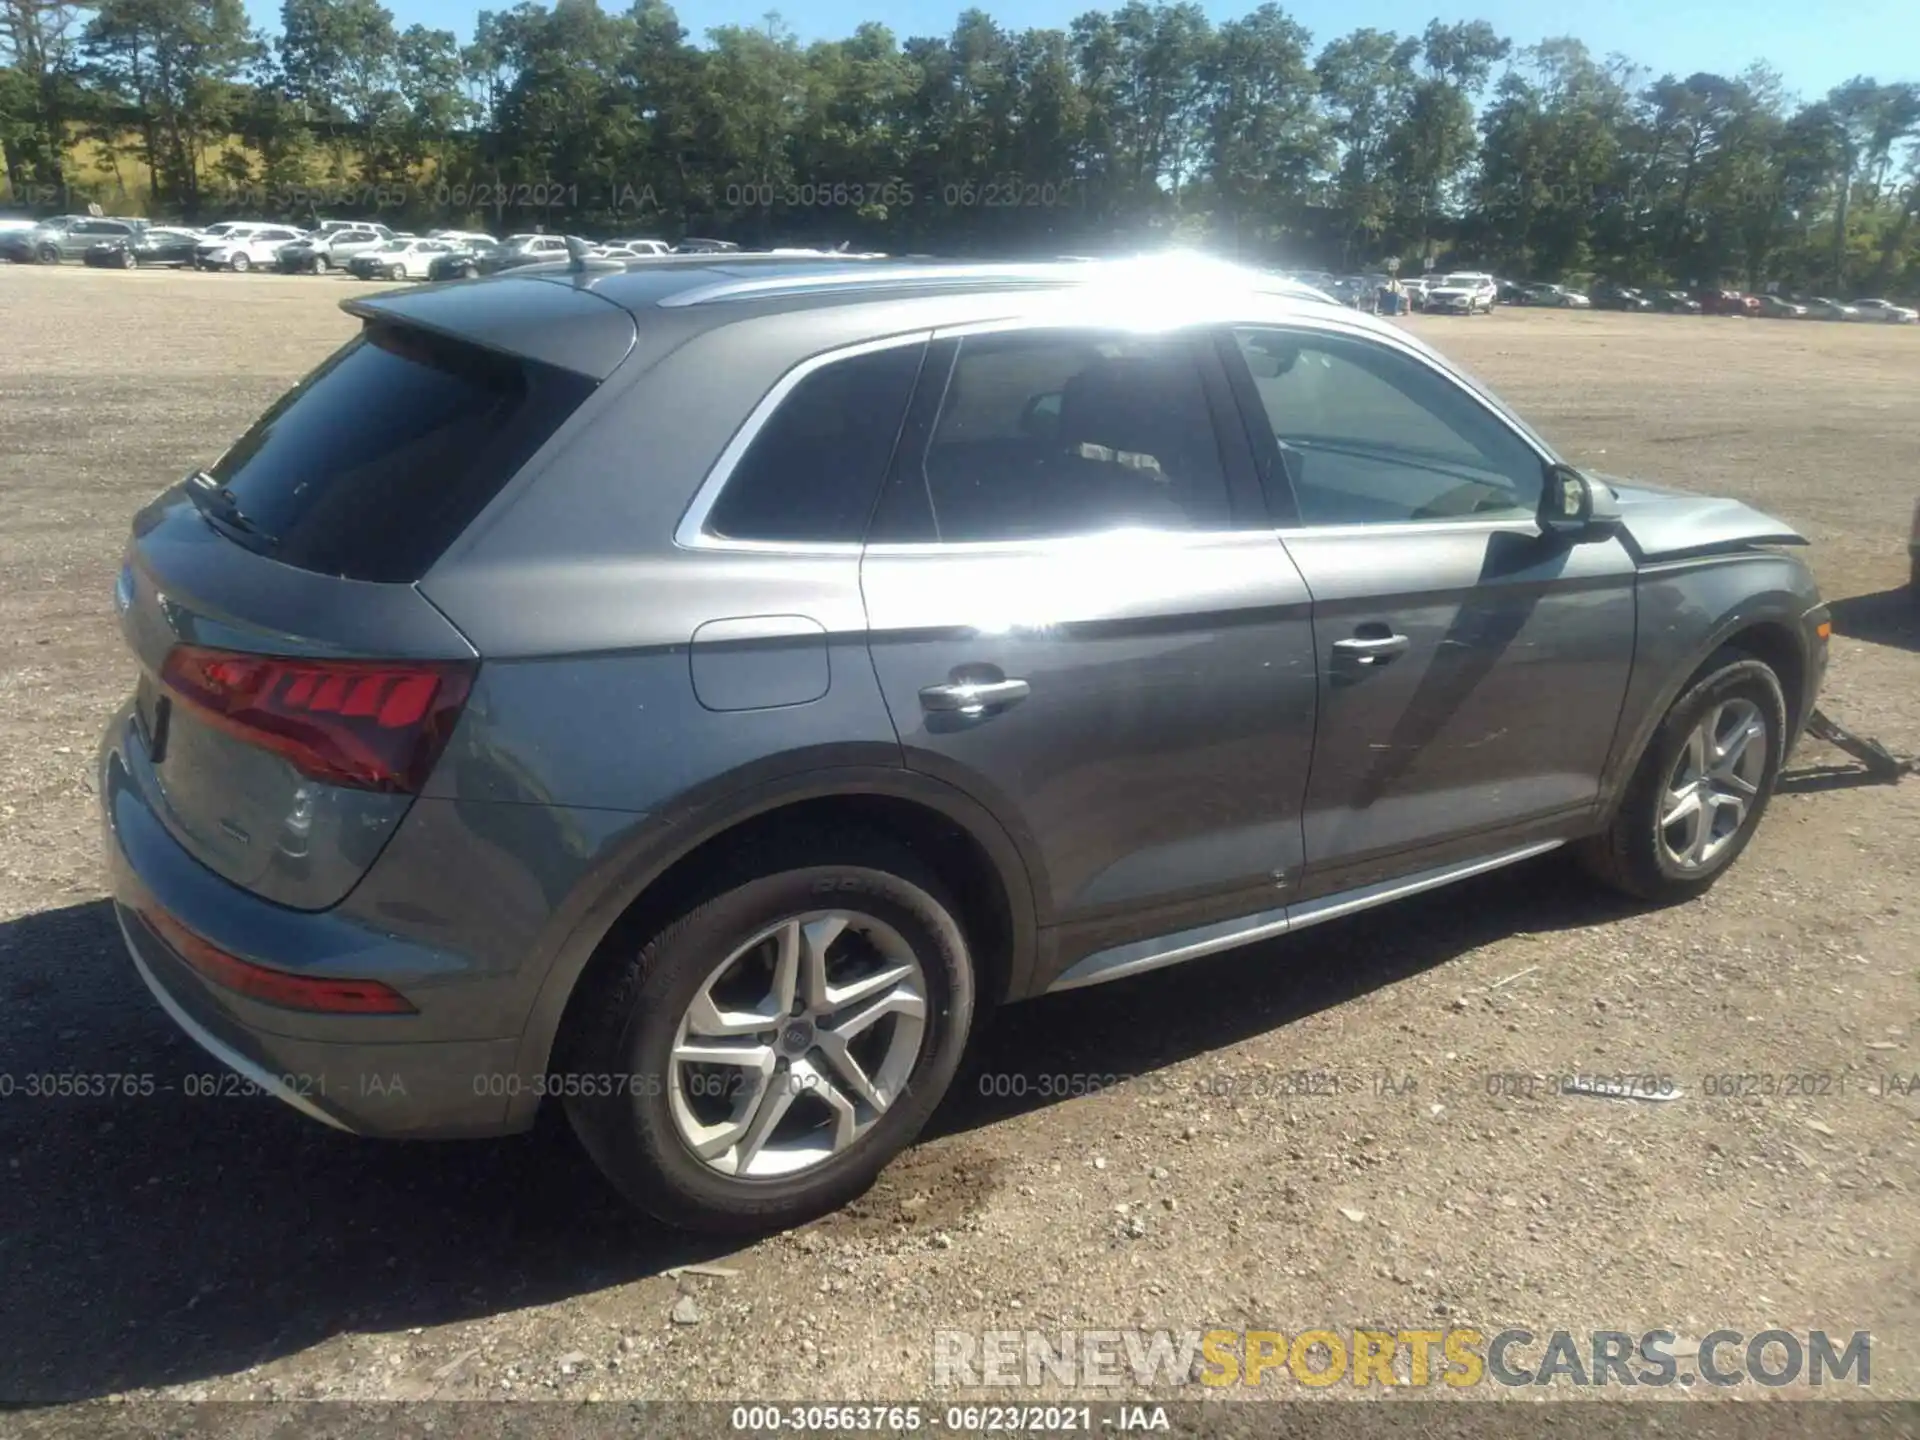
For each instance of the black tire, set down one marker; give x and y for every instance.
(1629, 855)
(47, 254)
(624, 1025)
(128, 260)
(240, 264)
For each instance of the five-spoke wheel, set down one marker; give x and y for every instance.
(797, 1043)
(763, 1056)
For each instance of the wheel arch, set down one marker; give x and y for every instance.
(663, 871)
(1768, 629)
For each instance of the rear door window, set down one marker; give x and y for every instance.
(374, 464)
(1049, 434)
(812, 470)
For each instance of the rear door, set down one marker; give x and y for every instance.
(1471, 669)
(1080, 615)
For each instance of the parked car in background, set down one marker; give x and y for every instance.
(334, 227)
(242, 247)
(697, 245)
(1820, 307)
(464, 260)
(1514, 292)
(1672, 302)
(156, 245)
(1886, 311)
(1557, 297)
(642, 246)
(1778, 307)
(518, 250)
(1463, 292)
(398, 259)
(377, 803)
(316, 254)
(1715, 301)
(1611, 295)
(65, 237)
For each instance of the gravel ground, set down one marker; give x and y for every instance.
(162, 1247)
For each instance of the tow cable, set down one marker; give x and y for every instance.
(1882, 764)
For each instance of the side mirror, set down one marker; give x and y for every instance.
(1576, 508)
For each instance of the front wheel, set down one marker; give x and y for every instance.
(1702, 786)
(764, 1056)
(128, 261)
(240, 264)
(47, 254)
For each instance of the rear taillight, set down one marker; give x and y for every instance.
(371, 724)
(275, 987)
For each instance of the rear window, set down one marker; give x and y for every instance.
(373, 465)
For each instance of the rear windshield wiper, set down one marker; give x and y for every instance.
(219, 504)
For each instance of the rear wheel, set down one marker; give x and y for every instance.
(762, 1058)
(1701, 787)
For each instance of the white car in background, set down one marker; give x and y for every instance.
(242, 247)
(398, 259)
(1464, 292)
(1887, 311)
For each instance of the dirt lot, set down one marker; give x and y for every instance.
(220, 1247)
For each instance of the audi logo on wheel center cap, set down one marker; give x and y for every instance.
(797, 1038)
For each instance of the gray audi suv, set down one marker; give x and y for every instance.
(692, 692)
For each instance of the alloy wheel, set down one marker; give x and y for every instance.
(796, 1044)
(1713, 785)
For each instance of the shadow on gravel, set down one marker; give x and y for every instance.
(167, 1238)
(1891, 617)
(1135, 1027)
(164, 1238)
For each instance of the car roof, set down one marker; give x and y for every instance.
(558, 314)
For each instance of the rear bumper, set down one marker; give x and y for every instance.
(385, 1075)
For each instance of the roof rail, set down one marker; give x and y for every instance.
(869, 275)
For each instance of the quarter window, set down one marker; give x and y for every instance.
(1373, 436)
(1061, 433)
(813, 469)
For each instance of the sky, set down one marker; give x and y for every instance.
(1813, 46)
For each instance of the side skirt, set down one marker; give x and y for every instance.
(1140, 956)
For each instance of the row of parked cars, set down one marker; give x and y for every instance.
(1476, 292)
(1608, 295)
(362, 248)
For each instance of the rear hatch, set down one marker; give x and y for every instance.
(295, 687)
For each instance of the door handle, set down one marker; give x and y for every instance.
(973, 697)
(1371, 650)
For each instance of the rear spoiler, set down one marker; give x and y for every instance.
(527, 316)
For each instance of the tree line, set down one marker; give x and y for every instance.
(1142, 125)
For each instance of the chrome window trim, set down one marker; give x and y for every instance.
(692, 533)
(1050, 546)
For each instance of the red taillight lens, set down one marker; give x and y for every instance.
(275, 987)
(373, 724)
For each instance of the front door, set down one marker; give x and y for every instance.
(1080, 615)
(1471, 668)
